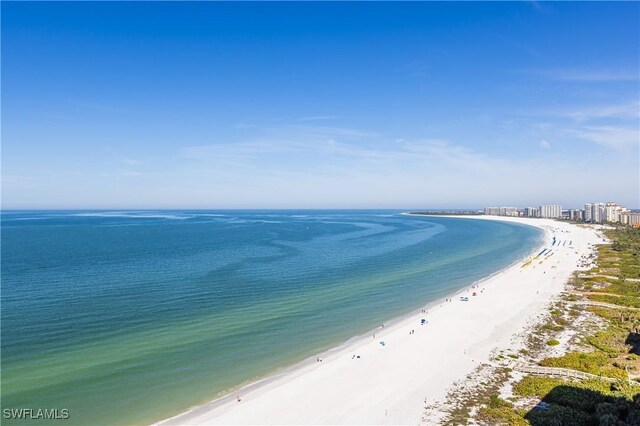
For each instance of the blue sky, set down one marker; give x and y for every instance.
(319, 105)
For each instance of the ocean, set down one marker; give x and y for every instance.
(129, 317)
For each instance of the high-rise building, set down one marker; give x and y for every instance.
(597, 212)
(624, 218)
(630, 218)
(612, 212)
(587, 212)
(603, 212)
(593, 212)
(552, 211)
(502, 211)
(495, 211)
(576, 214)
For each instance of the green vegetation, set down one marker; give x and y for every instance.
(622, 258)
(629, 301)
(553, 327)
(613, 344)
(558, 415)
(536, 386)
(556, 322)
(499, 411)
(625, 287)
(581, 402)
(597, 363)
(610, 341)
(460, 403)
(613, 350)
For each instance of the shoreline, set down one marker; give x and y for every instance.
(219, 409)
(254, 385)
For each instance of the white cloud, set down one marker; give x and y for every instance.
(608, 136)
(333, 167)
(586, 75)
(300, 141)
(629, 110)
(614, 126)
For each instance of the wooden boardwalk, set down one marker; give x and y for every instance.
(635, 280)
(560, 372)
(603, 305)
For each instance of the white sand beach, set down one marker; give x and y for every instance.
(389, 384)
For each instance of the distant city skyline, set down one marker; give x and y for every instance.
(207, 105)
(610, 212)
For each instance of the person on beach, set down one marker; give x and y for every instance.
(238, 398)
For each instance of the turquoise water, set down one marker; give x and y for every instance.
(130, 317)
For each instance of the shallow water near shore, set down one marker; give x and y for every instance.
(132, 317)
